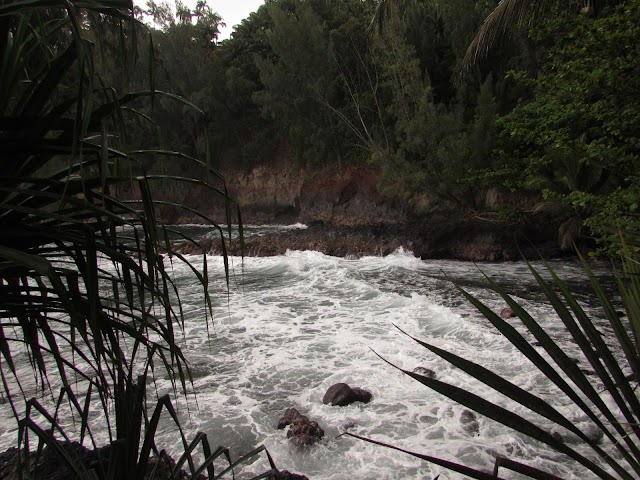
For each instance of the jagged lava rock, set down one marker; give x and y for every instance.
(287, 475)
(303, 432)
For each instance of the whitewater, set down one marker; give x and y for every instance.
(286, 328)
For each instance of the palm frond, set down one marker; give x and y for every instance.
(92, 309)
(609, 398)
(512, 16)
(508, 17)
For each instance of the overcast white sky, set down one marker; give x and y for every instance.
(232, 11)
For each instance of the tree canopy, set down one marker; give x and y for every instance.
(547, 108)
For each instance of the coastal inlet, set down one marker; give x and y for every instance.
(290, 326)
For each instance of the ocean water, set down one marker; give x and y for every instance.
(289, 327)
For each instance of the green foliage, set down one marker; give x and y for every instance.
(611, 215)
(577, 136)
(297, 79)
(309, 78)
(310, 48)
(512, 215)
(431, 145)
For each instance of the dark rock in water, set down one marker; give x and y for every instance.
(290, 415)
(591, 431)
(286, 475)
(302, 432)
(469, 422)
(50, 465)
(342, 394)
(362, 395)
(594, 433)
(425, 372)
(514, 449)
(507, 313)
(443, 235)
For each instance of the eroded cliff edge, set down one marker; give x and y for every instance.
(348, 216)
(333, 196)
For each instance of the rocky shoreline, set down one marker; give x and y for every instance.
(442, 237)
(348, 217)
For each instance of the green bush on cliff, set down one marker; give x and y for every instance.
(576, 137)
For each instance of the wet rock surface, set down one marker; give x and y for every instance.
(441, 237)
(348, 216)
(469, 422)
(425, 372)
(302, 431)
(507, 312)
(287, 475)
(342, 395)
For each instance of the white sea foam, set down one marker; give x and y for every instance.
(291, 326)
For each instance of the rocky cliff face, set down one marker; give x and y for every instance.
(350, 218)
(330, 195)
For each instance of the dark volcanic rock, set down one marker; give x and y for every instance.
(342, 394)
(50, 465)
(507, 313)
(449, 234)
(425, 372)
(286, 475)
(302, 432)
(348, 216)
(469, 422)
(444, 236)
(593, 433)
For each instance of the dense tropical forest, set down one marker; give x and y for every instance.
(549, 106)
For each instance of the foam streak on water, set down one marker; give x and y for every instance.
(291, 326)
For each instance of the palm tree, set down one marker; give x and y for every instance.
(512, 16)
(508, 18)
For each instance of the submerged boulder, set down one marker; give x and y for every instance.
(469, 422)
(342, 394)
(591, 431)
(303, 432)
(507, 312)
